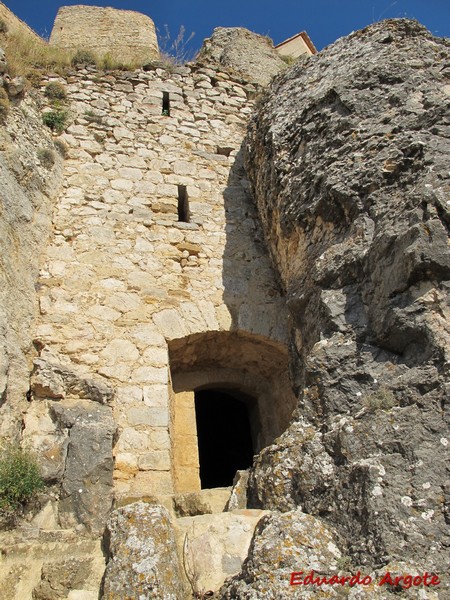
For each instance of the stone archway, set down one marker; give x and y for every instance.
(245, 367)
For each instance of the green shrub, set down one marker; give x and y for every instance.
(46, 157)
(55, 91)
(19, 479)
(56, 120)
(382, 399)
(3, 26)
(83, 57)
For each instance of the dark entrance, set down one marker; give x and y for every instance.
(224, 437)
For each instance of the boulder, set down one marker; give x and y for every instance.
(55, 380)
(284, 543)
(86, 491)
(59, 578)
(247, 54)
(348, 157)
(143, 559)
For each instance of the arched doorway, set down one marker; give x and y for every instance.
(222, 383)
(224, 436)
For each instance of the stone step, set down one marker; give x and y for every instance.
(189, 504)
(213, 547)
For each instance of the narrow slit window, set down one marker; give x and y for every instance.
(166, 104)
(183, 204)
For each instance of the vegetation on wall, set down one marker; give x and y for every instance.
(175, 51)
(55, 91)
(56, 120)
(26, 56)
(46, 157)
(20, 480)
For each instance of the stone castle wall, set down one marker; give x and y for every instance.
(148, 302)
(122, 34)
(16, 26)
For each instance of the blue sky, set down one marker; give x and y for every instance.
(324, 20)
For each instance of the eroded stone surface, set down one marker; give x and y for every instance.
(86, 491)
(28, 190)
(143, 559)
(123, 35)
(245, 53)
(214, 546)
(348, 159)
(283, 543)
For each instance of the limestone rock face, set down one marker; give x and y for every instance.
(247, 54)
(86, 493)
(348, 158)
(143, 558)
(282, 543)
(27, 192)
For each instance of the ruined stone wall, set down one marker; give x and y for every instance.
(125, 276)
(122, 34)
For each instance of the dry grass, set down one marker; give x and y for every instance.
(30, 58)
(26, 55)
(175, 50)
(4, 105)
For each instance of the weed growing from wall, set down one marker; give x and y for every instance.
(46, 157)
(55, 91)
(382, 399)
(175, 51)
(56, 120)
(20, 480)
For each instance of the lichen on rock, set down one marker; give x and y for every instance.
(247, 54)
(348, 159)
(143, 559)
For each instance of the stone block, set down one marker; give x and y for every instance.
(170, 323)
(151, 483)
(185, 420)
(158, 438)
(215, 545)
(186, 451)
(143, 555)
(155, 356)
(156, 460)
(150, 375)
(120, 350)
(156, 395)
(130, 173)
(131, 439)
(145, 415)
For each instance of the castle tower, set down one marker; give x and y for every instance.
(122, 34)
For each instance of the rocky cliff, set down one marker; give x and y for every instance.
(348, 159)
(154, 237)
(30, 178)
